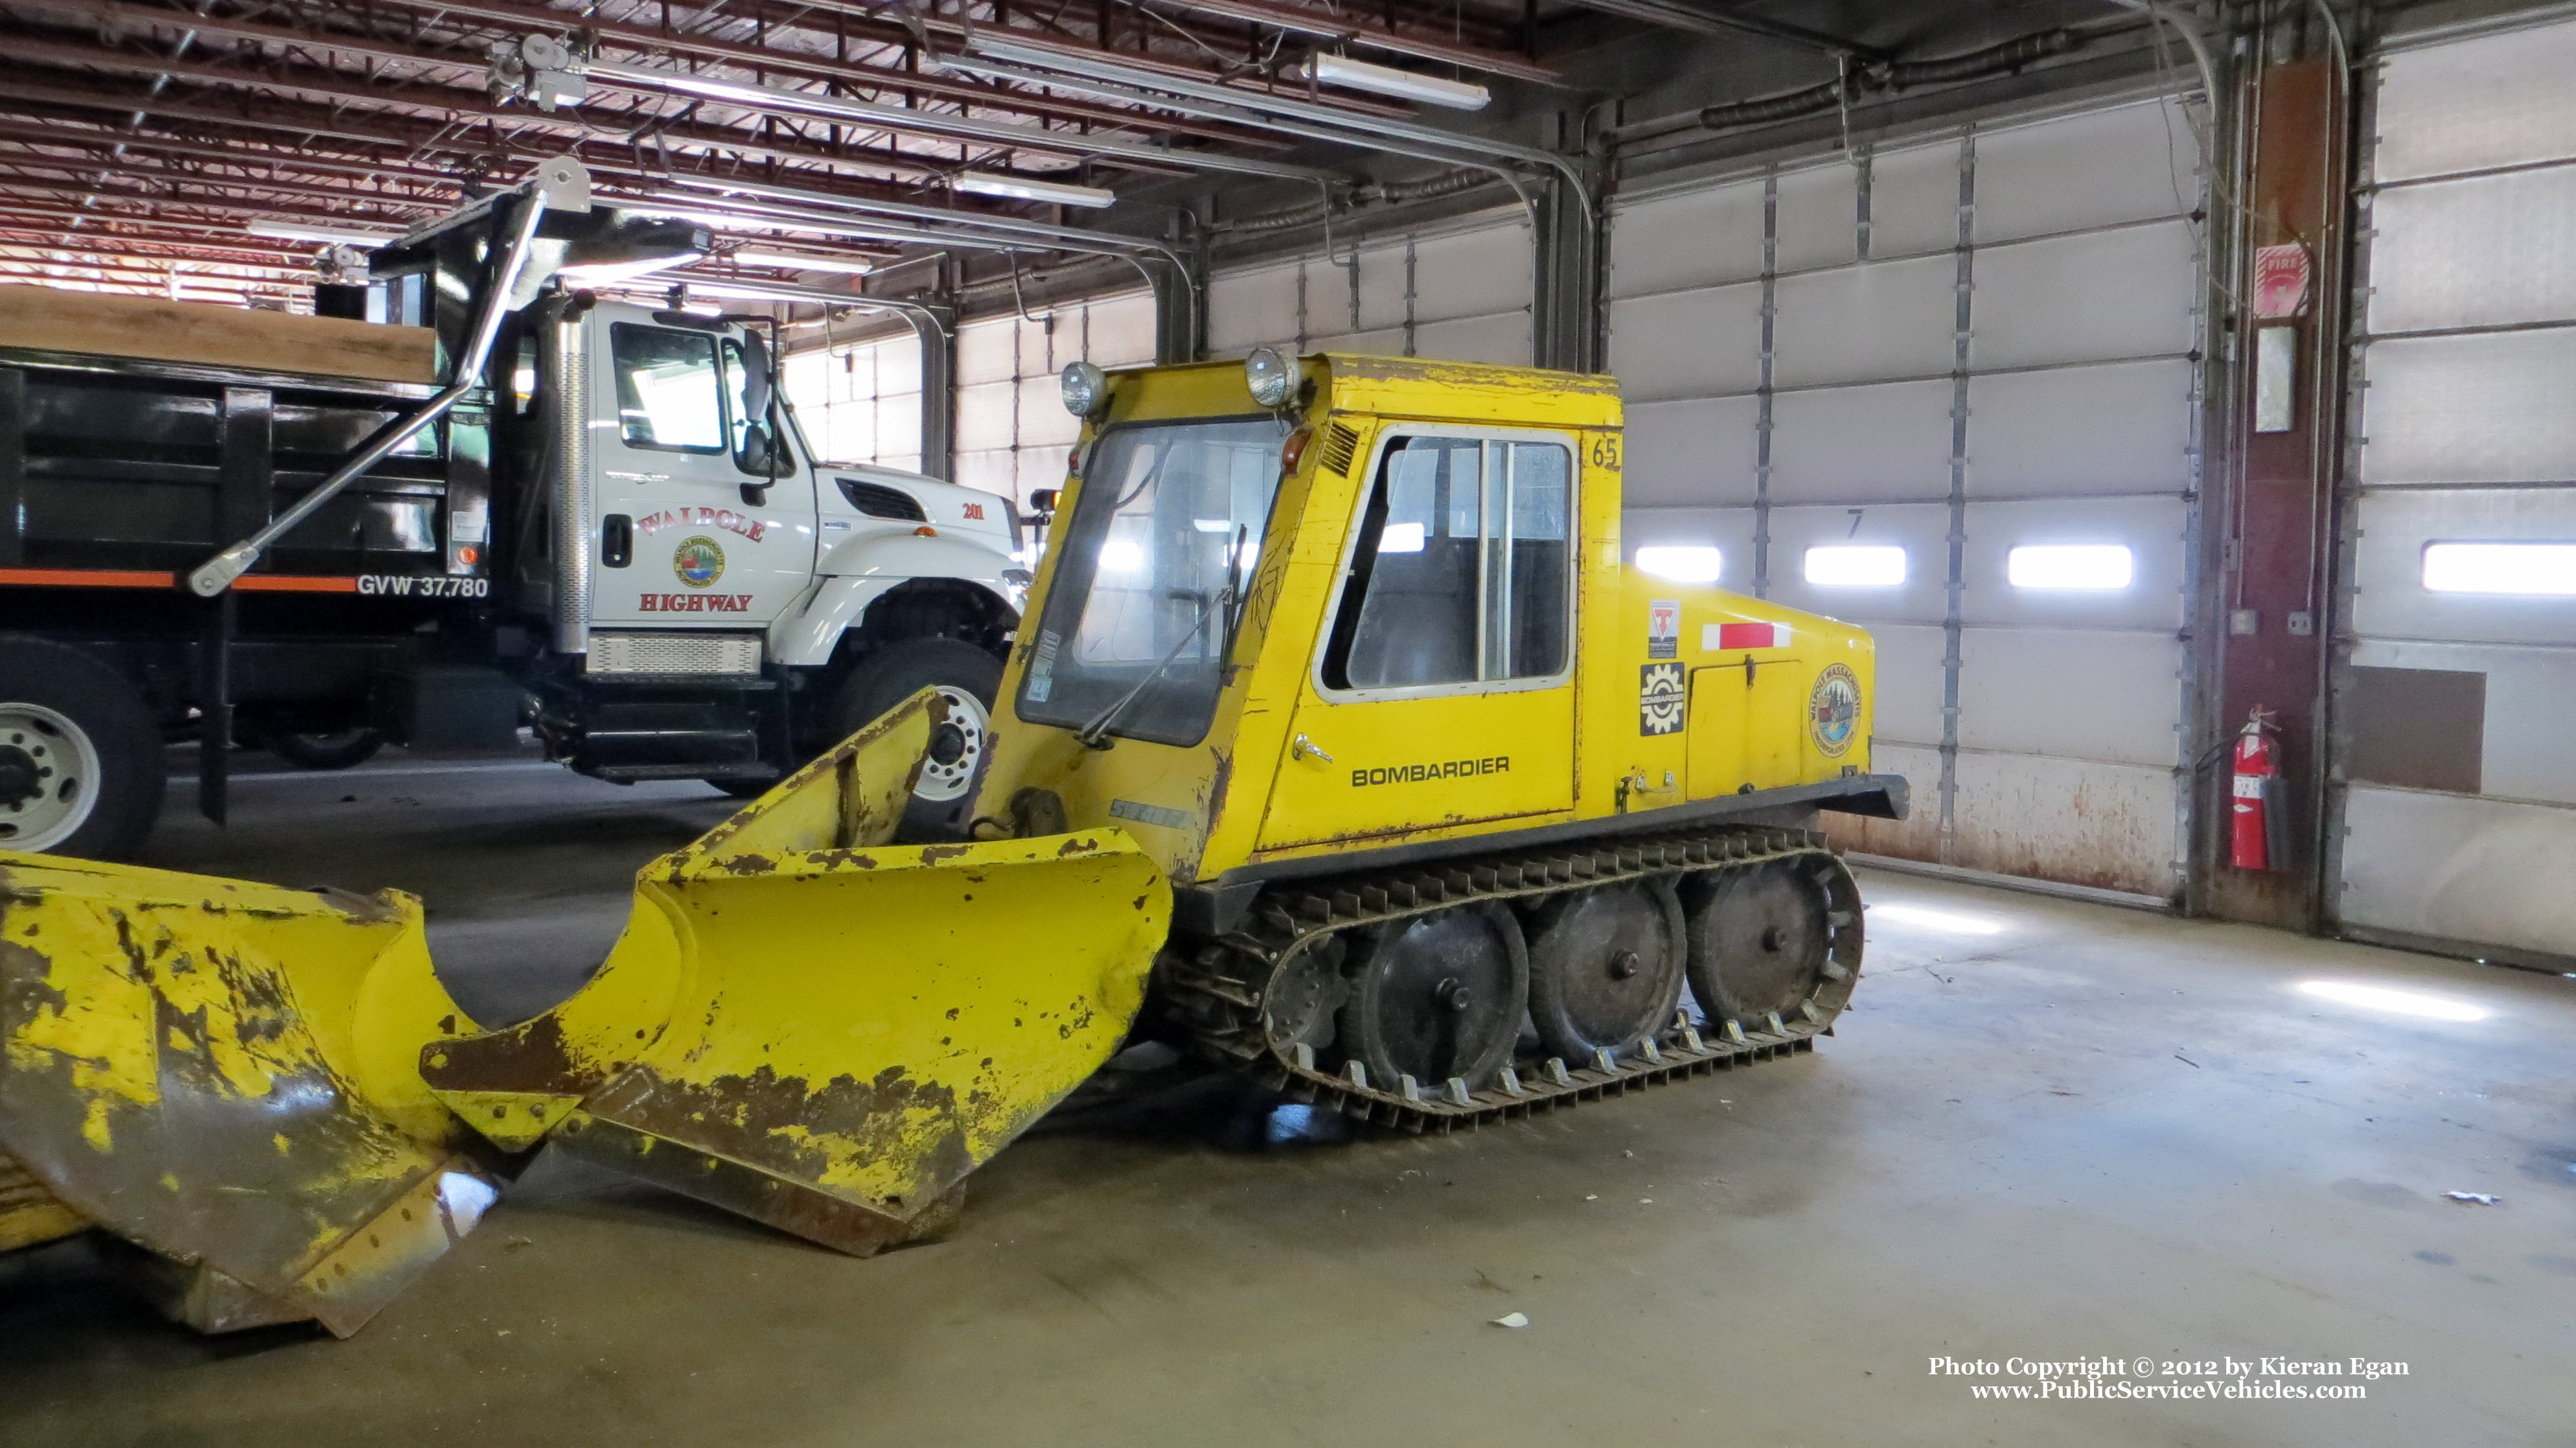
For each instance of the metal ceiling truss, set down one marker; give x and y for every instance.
(132, 128)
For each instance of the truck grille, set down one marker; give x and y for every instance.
(674, 653)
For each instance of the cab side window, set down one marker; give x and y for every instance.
(669, 393)
(1463, 573)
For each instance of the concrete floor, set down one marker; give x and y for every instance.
(2047, 1130)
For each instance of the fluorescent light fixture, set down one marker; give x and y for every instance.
(804, 263)
(1386, 80)
(984, 183)
(2097, 567)
(1212, 525)
(1681, 564)
(1936, 919)
(328, 235)
(1856, 566)
(1402, 538)
(2546, 569)
(2395, 1002)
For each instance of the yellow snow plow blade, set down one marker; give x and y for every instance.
(822, 1031)
(223, 1073)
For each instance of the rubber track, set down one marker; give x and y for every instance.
(1219, 986)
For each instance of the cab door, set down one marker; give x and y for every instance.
(1443, 690)
(681, 540)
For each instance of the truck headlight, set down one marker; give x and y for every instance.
(1085, 388)
(1273, 378)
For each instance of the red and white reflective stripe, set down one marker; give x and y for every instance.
(1728, 637)
(123, 578)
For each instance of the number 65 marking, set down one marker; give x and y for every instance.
(1605, 451)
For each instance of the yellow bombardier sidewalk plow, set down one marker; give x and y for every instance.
(221, 1073)
(822, 1031)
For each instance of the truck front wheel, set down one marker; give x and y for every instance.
(967, 677)
(81, 771)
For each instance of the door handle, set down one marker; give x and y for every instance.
(616, 541)
(1305, 746)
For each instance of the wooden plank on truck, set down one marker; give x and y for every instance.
(209, 334)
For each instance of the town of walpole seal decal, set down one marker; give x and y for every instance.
(1833, 709)
(698, 561)
(1660, 696)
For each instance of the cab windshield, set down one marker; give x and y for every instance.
(1167, 529)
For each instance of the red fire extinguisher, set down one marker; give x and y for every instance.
(2260, 812)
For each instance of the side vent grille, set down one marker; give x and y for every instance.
(1341, 444)
(879, 501)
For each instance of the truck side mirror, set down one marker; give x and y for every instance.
(758, 454)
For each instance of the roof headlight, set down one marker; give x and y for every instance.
(1272, 378)
(1086, 388)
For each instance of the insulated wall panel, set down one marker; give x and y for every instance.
(2132, 292)
(1698, 238)
(1688, 344)
(1909, 684)
(2123, 427)
(1691, 453)
(2076, 820)
(2482, 407)
(2114, 698)
(2478, 251)
(1884, 443)
(1867, 323)
(2516, 759)
(2460, 868)
(2085, 172)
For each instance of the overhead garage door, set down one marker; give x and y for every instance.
(1461, 293)
(1013, 434)
(2457, 678)
(1950, 391)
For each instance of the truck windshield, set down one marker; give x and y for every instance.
(1141, 576)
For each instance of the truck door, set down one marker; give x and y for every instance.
(1444, 688)
(682, 540)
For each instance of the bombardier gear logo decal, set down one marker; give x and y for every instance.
(698, 561)
(1660, 699)
(1833, 709)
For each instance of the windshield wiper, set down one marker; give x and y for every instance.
(1095, 734)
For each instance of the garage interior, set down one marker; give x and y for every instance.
(2129, 370)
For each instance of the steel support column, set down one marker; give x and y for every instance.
(2262, 629)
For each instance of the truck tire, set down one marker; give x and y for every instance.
(341, 749)
(968, 677)
(81, 771)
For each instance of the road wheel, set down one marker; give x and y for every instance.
(967, 678)
(335, 749)
(81, 771)
(1437, 996)
(1760, 943)
(1605, 968)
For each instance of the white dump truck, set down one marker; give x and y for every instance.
(477, 496)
